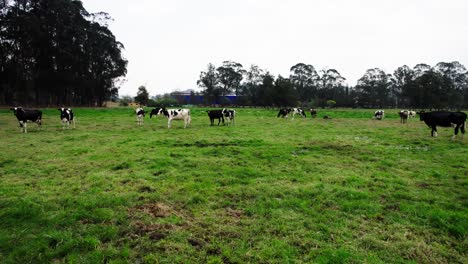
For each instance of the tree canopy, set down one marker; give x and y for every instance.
(53, 52)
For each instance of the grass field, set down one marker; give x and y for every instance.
(267, 190)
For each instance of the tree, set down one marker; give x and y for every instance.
(458, 78)
(372, 89)
(248, 90)
(230, 76)
(401, 84)
(209, 82)
(54, 52)
(284, 93)
(142, 96)
(330, 86)
(304, 78)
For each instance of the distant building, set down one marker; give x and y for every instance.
(192, 97)
(134, 104)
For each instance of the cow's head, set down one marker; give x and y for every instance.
(156, 111)
(16, 109)
(422, 114)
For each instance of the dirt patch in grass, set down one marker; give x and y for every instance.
(153, 209)
(423, 185)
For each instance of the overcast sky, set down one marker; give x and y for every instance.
(168, 43)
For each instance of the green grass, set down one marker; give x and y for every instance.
(267, 190)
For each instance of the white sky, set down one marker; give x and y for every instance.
(168, 43)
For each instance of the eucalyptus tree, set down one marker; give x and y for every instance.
(230, 75)
(248, 90)
(458, 76)
(305, 80)
(209, 82)
(331, 86)
(55, 52)
(402, 82)
(142, 95)
(372, 89)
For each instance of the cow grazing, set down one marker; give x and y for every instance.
(379, 114)
(25, 115)
(411, 114)
(299, 111)
(216, 114)
(140, 115)
(173, 114)
(230, 114)
(313, 113)
(67, 117)
(444, 119)
(404, 115)
(284, 112)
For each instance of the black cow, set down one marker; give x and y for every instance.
(25, 115)
(213, 114)
(313, 113)
(67, 117)
(283, 112)
(444, 119)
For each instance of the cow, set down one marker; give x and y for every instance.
(229, 114)
(173, 114)
(215, 114)
(25, 115)
(411, 114)
(297, 111)
(140, 115)
(313, 113)
(379, 114)
(404, 115)
(444, 119)
(283, 112)
(67, 117)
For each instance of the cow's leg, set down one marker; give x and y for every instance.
(73, 120)
(455, 133)
(222, 118)
(21, 125)
(25, 127)
(169, 123)
(434, 131)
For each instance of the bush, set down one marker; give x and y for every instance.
(331, 103)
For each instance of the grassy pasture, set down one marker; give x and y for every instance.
(267, 190)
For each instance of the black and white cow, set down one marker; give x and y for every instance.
(25, 115)
(173, 114)
(215, 114)
(140, 115)
(284, 112)
(313, 113)
(230, 115)
(67, 117)
(298, 111)
(379, 114)
(404, 115)
(444, 119)
(411, 114)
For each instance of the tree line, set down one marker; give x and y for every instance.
(54, 52)
(444, 85)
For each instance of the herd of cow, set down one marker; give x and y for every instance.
(432, 119)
